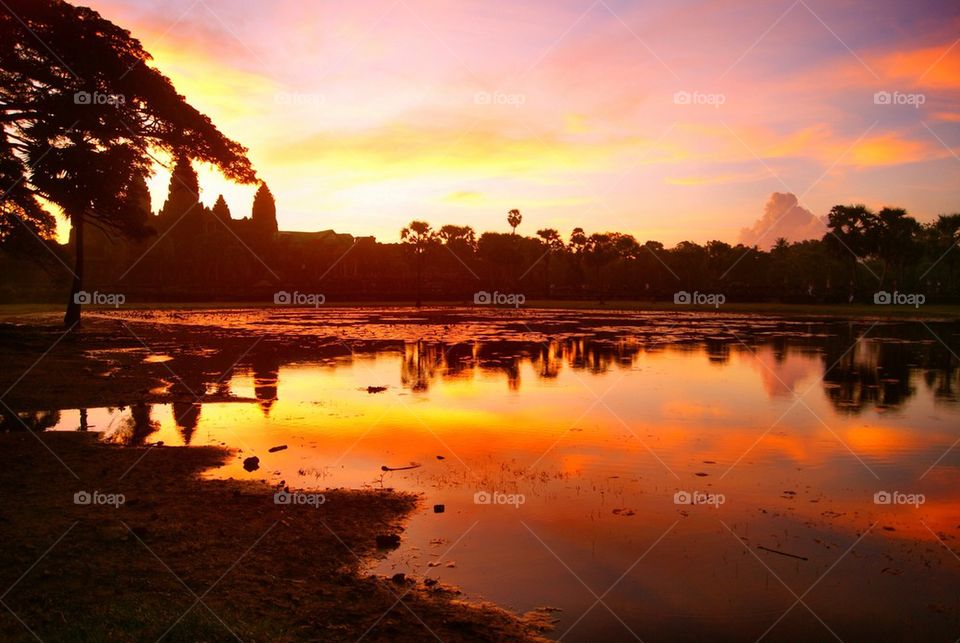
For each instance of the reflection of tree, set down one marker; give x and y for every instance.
(138, 426)
(420, 364)
(423, 362)
(548, 361)
(876, 372)
(718, 351)
(29, 420)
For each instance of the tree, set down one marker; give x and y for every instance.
(459, 238)
(944, 240)
(419, 237)
(83, 114)
(578, 241)
(264, 210)
(514, 218)
(20, 209)
(552, 243)
(851, 236)
(599, 250)
(897, 241)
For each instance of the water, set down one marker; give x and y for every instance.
(565, 449)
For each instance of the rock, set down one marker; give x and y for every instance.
(376, 389)
(252, 463)
(277, 448)
(438, 509)
(388, 541)
(429, 582)
(399, 578)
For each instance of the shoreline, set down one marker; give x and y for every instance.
(202, 559)
(864, 310)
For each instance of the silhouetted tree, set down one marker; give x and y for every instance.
(599, 250)
(419, 237)
(897, 242)
(851, 236)
(514, 218)
(459, 238)
(77, 94)
(552, 244)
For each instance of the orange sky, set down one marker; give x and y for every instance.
(362, 116)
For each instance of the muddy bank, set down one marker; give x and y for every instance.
(189, 559)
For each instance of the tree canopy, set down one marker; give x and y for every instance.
(83, 114)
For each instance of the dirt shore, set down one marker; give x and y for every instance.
(186, 559)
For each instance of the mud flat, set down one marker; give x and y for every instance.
(160, 553)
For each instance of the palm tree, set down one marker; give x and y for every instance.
(419, 237)
(514, 218)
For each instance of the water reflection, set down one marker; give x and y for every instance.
(599, 433)
(266, 370)
(857, 372)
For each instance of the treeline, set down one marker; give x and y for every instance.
(862, 253)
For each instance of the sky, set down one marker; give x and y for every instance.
(683, 120)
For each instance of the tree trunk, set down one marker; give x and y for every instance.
(546, 275)
(419, 272)
(72, 318)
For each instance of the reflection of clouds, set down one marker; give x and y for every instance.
(686, 409)
(780, 373)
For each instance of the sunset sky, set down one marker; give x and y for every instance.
(364, 115)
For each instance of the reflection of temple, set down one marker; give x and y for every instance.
(266, 371)
(186, 415)
(858, 373)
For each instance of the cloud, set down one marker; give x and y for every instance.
(783, 216)
(463, 197)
